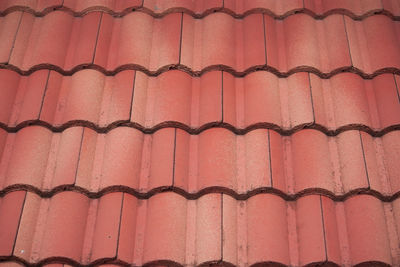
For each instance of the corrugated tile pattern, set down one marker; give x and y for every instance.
(210, 132)
(218, 41)
(356, 9)
(215, 160)
(258, 100)
(213, 228)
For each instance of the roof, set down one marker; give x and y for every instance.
(186, 133)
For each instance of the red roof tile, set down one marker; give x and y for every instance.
(302, 41)
(293, 44)
(191, 133)
(10, 210)
(392, 6)
(87, 96)
(219, 39)
(119, 226)
(193, 7)
(196, 101)
(85, 6)
(8, 30)
(14, 264)
(38, 5)
(215, 160)
(366, 41)
(357, 9)
(276, 7)
(39, 40)
(370, 102)
(127, 41)
(260, 99)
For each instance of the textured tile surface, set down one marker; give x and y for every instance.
(260, 98)
(200, 8)
(212, 228)
(215, 159)
(199, 133)
(302, 41)
(138, 39)
(39, 40)
(220, 39)
(111, 43)
(373, 43)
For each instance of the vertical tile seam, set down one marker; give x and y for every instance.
(79, 155)
(270, 159)
(119, 225)
(222, 227)
(174, 160)
(382, 6)
(180, 40)
(348, 42)
(133, 93)
(265, 39)
(44, 94)
(397, 87)
(222, 96)
(97, 37)
(311, 96)
(365, 162)
(391, 231)
(323, 228)
(19, 224)
(15, 37)
(293, 237)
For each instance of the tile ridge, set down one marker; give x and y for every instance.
(198, 130)
(172, 10)
(199, 73)
(203, 192)
(101, 261)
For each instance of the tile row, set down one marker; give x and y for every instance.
(259, 98)
(15, 263)
(260, 41)
(171, 229)
(201, 8)
(216, 159)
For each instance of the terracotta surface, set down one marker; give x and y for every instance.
(142, 101)
(216, 159)
(200, 8)
(199, 133)
(111, 43)
(119, 226)
(39, 39)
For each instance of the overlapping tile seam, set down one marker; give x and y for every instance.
(241, 71)
(316, 99)
(156, 14)
(376, 132)
(62, 171)
(318, 215)
(374, 188)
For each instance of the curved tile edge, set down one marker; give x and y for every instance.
(194, 73)
(205, 191)
(205, 13)
(195, 131)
